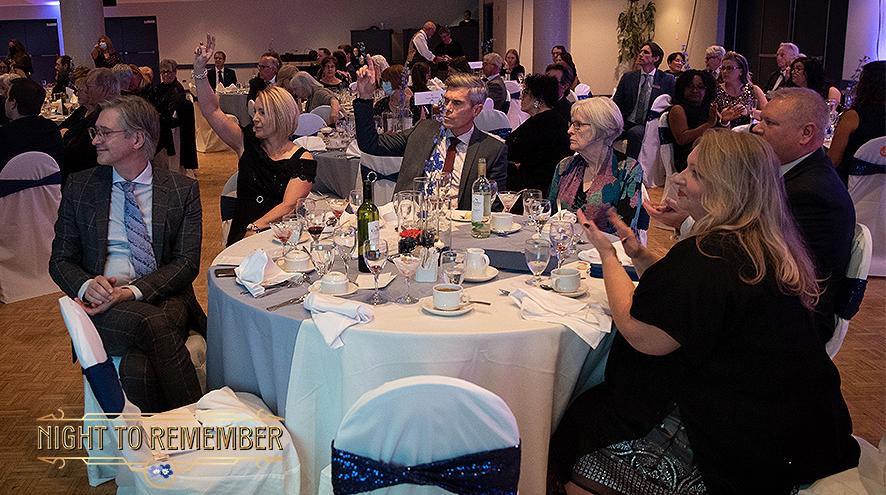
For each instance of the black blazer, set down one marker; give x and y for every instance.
(31, 133)
(256, 84)
(496, 89)
(229, 77)
(629, 85)
(825, 215)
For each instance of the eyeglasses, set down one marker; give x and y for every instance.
(727, 68)
(798, 70)
(98, 132)
(578, 125)
(265, 66)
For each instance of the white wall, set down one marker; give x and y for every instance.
(865, 16)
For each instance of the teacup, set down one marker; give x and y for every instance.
(334, 283)
(476, 262)
(565, 279)
(502, 222)
(296, 261)
(449, 297)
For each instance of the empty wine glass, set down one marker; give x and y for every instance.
(539, 213)
(355, 199)
(561, 236)
(453, 264)
(407, 264)
(530, 195)
(405, 205)
(345, 239)
(538, 254)
(322, 254)
(375, 253)
(508, 199)
(303, 206)
(296, 226)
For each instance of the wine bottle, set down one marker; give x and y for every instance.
(481, 203)
(367, 223)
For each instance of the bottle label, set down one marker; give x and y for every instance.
(477, 207)
(372, 231)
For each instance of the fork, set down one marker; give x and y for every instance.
(295, 300)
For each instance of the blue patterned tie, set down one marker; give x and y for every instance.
(141, 253)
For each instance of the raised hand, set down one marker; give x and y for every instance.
(203, 53)
(366, 81)
(667, 212)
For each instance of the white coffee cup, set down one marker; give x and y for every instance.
(476, 262)
(449, 297)
(502, 222)
(334, 283)
(296, 261)
(565, 279)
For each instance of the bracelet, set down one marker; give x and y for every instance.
(201, 75)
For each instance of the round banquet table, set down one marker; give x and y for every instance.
(336, 173)
(535, 366)
(236, 105)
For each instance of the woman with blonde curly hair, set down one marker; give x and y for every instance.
(273, 171)
(718, 336)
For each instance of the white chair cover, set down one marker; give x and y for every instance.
(492, 120)
(27, 227)
(422, 419)
(309, 124)
(516, 116)
(649, 151)
(488, 104)
(582, 91)
(383, 189)
(324, 111)
(869, 478)
(859, 266)
(514, 89)
(207, 140)
(228, 191)
(572, 96)
(870, 201)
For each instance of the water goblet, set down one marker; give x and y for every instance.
(405, 205)
(561, 236)
(530, 195)
(539, 213)
(453, 264)
(538, 254)
(375, 253)
(345, 239)
(322, 254)
(355, 199)
(407, 264)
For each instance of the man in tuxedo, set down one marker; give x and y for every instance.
(127, 246)
(565, 77)
(495, 85)
(268, 65)
(219, 73)
(27, 130)
(424, 149)
(781, 77)
(637, 90)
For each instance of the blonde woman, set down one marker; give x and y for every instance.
(273, 172)
(723, 324)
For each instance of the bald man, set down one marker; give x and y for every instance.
(418, 47)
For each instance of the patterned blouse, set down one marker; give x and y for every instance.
(745, 97)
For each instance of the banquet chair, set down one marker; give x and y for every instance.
(494, 122)
(649, 157)
(867, 175)
(227, 205)
(197, 471)
(30, 193)
(309, 124)
(401, 427)
(516, 116)
(582, 91)
(488, 104)
(851, 291)
(514, 89)
(324, 111)
(387, 171)
(572, 96)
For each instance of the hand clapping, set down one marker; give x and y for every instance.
(604, 246)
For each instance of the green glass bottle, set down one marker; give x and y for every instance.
(481, 203)
(367, 223)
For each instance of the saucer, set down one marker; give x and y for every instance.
(582, 290)
(280, 263)
(491, 273)
(514, 228)
(315, 287)
(427, 304)
(461, 216)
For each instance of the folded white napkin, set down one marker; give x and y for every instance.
(232, 87)
(588, 321)
(87, 343)
(311, 143)
(333, 315)
(258, 270)
(353, 150)
(223, 408)
(564, 216)
(592, 256)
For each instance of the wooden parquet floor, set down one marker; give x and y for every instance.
(37, 377)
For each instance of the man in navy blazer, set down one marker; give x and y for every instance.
(635, 99)
(228, 76)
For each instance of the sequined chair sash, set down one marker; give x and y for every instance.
(493, 472)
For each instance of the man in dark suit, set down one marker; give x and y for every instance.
(495, 85)
(781, 77)
(565, 77)
(127, 245)
(27, 130)
(220, 73)
(268, 66)
(423, 148)
(637, 90)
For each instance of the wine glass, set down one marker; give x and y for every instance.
(561, 235)
(407, 264)
(345, 239)
(538, 254)
(297, 226)
(282, 232)
(316, 222)
(337, 205)
(453, 264)
(375, 253)
(405, 204)
(322, 254)
(303, 206)
(530, 195)
(355, 199)
(508, 199)
(539, 213)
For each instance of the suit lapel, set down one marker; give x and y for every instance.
(158, 210)
(803, 165)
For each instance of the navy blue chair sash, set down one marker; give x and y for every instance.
(364, 171)
(12, 186)
(849, 296)
(228, 206)
(861, 167)
(502, 133)
(494, 472)
(106, 387)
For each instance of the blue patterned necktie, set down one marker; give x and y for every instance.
(141, 253)
(643, 99)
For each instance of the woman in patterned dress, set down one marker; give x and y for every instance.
(738, 98)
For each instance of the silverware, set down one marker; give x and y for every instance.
(504, 292)
(546, 287)
(295, 300)
(485, 303)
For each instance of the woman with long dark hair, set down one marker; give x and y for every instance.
(693, 111)
(865, 120)
(808, 73)
(19, 57)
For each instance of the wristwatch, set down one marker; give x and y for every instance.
(255, 228)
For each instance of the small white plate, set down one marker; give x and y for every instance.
(461, 216)
(280, 263)
(315, 287)
(491, 273)
(582, 290)
(427, 304)
(514, 228)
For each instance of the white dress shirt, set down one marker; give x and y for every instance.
(461, 151)
(421, 45)
(117, 263)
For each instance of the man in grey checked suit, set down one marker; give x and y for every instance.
(458, 152)
(127, 245)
